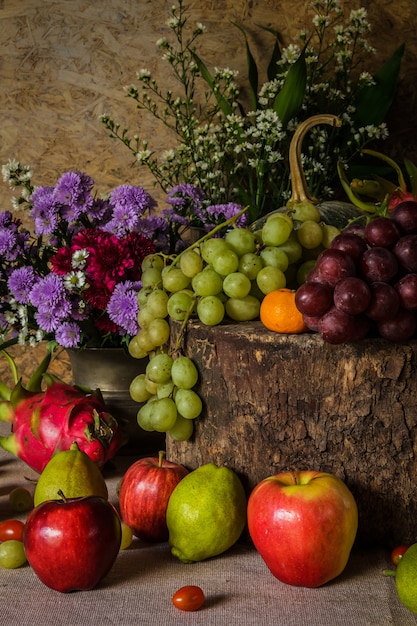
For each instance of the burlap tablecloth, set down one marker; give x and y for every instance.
(239, 588)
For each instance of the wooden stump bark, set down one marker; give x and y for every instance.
(276, 402)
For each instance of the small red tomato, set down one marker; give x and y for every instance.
(188, 598)
(11, 529)
(397, 554)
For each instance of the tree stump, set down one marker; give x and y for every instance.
(277, 402)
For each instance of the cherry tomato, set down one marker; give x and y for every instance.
(11, 529)
(188, 598)
(397, 553)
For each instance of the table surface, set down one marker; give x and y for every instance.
(239, 588)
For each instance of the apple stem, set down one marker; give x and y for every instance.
(61, 495)
(294, 477)
(161, 457)
(388, 572)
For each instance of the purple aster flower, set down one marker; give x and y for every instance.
(45, 211)
(72, 193)
(123, 307)
(7, 241)
(68, 335)
(49, 296)
(21, 282)
(129, 205)
(185, 198)
(222, 212)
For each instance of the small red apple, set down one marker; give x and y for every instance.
(144, 493)
(303, 525)
(71, 544)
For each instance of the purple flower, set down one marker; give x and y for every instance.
(49, 296)
(44, 212)
(123, 306)
(222, 212)
(20, 283)
(72, 193)
(185, 198)
(7, 241)
(68, 335)
(129, 204)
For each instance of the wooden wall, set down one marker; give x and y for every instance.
(65, 62)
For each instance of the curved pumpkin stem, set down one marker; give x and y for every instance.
(300, 192)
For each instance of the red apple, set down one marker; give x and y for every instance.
(303, 525)
(144, 493)
(71, 544)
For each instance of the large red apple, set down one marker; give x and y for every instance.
(303, 525)
(71, 544)
(144, 493)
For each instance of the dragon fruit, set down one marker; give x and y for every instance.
(46, 422)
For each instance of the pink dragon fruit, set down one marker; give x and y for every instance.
(46, 422)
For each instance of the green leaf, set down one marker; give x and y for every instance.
(353, 197)
(412, 175)
(222, 102)
(378, 155)
(289, 100)
(272, 69)
(373, 101)
(252, 70)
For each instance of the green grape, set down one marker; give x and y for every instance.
(210, 310)
(157, 303)
(311, 254)
(243, 309)
(179, 305)
(144, 341)
(310, 234)
(191, 263)
(236, 285)
(143, 417)
(188, 403)
(182, 429)
(276, 229)
(152, 261)
(12, 554)
(143, 294)
(145, 317)
(329, 233)
(151, 277)
(159, 331)
(166, 390)
(225, 262)
(159, 368)
(275, 257)
(207, 283)
(250, 264)
(292, 249)
(255, 291)
(163, 414)
(212, 247)
(135, 350)
(303, 211)
(304, 270)
(20, 499)
(184, 373)
(241, 241)
(137, 389)
(127, 536)
(151, 386)
(175, 280)
(270, 278)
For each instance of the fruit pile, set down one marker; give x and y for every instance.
(365, 284)
(214, 279)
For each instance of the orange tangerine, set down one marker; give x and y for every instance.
(279, 312)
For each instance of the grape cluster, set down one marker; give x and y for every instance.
(365, 284)
(215, 279)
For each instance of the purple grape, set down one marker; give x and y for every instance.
(313, 298)
(382, 232)
(405, 217)
(352, 295)
(406, 252)
(337, 327)
(401, 328)
(333, 265)
(407, 292)
(312, 322)
(384, 302)
(350, 243)
(378, 264)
